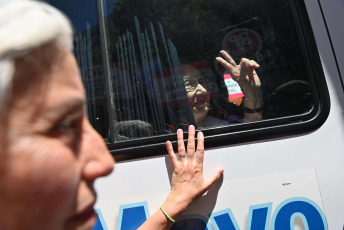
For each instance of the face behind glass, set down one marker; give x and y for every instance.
(197, 94)
(51, 155)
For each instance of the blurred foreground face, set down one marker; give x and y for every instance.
(197, 94)
(52, 154)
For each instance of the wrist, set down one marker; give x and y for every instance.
(253, 103)
(255, 110)
(174, 206)
(166, 214)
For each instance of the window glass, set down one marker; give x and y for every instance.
(87, 49)
(165, 73)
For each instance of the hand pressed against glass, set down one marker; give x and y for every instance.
(53, 155)
(188, 182)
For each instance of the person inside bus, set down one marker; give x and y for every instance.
(50, 154)
(246, 77)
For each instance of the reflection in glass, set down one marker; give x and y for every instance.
(153, 46)
(162, 51)
(83, 53)
(146, 94)
(84, 18)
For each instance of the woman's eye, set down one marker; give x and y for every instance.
(67, 130)
(65, 126)
(189, 84)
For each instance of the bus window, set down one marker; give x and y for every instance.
(227, 67)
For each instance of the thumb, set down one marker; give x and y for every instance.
(211, 180)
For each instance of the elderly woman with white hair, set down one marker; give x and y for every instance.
(50, 154)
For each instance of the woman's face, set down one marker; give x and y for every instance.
(197, 94)
(51, 153)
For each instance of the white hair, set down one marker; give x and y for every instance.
(26, 25)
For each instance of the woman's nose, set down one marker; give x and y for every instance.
(97, 161)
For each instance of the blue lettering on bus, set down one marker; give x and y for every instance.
(311, 214)
(224, 220)
(131, 216)
(100, 224)
(259, 217)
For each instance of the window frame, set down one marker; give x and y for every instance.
(236, 133)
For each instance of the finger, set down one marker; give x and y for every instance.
(247, 69)
(180, 143)
(211, 180)
(171, 153)
(250, 75)
(200, 148)
(254, 64)
(251, 63)
(228, 57)
(247, 62)
(250, 72)
(225, 64)
(243, 70)
(255, 79)
(191, 143)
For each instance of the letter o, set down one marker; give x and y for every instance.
(311, 214)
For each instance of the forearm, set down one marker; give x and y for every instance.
(160, 221)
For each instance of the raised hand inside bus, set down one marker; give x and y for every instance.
(249, 82)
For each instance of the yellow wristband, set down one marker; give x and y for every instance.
(167, 214)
